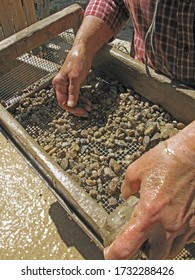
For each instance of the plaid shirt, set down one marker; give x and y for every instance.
(174, 38)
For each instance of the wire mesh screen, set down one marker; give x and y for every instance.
(97, 150)
(85, 148)
(33, 70)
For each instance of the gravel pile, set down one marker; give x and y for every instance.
(96, 151)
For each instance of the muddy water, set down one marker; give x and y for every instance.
(33, 225)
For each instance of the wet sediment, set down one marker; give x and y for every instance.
(96, 151)
(33, 224)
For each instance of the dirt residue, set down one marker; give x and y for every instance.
(32, 223)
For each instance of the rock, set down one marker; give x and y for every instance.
(155, 139)
(82, 174)
(112, 201)
(120, 143)
(174, 132)
(146, 141)
(76, 178)
(98, 197)
(48, 148)
(84, 149)
(80, 166)
(97, 134)
(25, 102)
(109, 144)
(71, 154)
(155, 107)
(168, 131)
(115, 166)
(140, 129)
(52, 151)
(64, 163)
(35, 118)
(95, 166)
(151, 128)
(108, 172)
(112, 186)
(131, 133)
(75, 147)
(142, 149)
(94, 174)
(84, 133)
(93, 193)
(90, 182)
(180, 126)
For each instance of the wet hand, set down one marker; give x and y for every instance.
(68, 81)
(164, 218)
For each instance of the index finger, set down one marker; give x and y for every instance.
(61, 88)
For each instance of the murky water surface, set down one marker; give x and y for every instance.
(32, 223)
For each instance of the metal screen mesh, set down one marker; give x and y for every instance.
(58, 132)
(32, 70)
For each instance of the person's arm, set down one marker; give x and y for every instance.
(92, 35)
(101, 22)
(164, 177)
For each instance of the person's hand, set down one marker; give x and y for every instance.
(68, 81)
(164, 218)
(91, 36)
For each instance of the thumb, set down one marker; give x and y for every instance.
(132, 180)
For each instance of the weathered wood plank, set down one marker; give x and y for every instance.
(38, 33)
(177, 99)
(5, 19)
(17, 14)
(29, 9)
(1, 33)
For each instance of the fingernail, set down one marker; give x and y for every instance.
(71, 103)
(106, 250)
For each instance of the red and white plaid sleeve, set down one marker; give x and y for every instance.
(113, 12)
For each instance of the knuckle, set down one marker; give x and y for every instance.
(74, 75)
